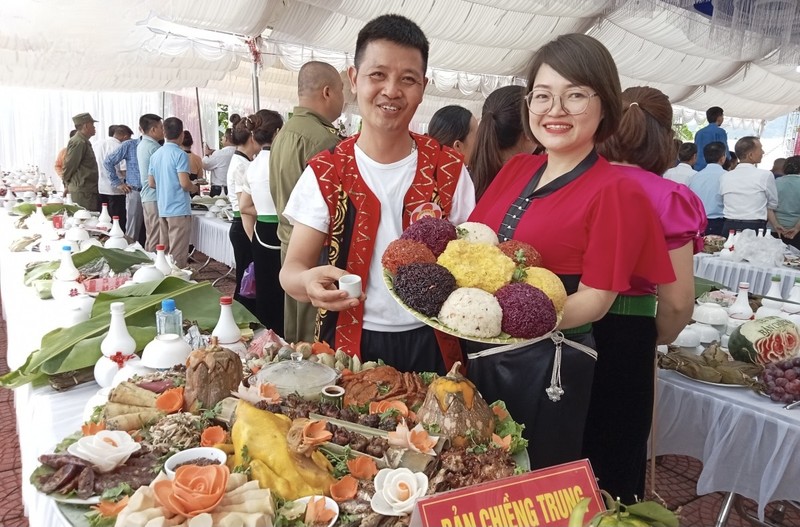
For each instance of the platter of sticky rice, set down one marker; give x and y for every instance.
(461, 280)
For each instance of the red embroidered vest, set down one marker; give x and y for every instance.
(355, 214)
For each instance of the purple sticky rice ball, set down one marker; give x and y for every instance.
(424, 286)
(436, 233)
(527, 311)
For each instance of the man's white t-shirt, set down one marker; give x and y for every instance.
(389, 183)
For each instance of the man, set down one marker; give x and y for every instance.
(132, 185)
(80, 165)
(683, 172)
(169, 177)
(217, 162)
(710, 133)
(153, 134)
(777, 167)
(331, 209)
(308, 132)
(62, 154)
(748, 193)
(706, 185)
(111, 179)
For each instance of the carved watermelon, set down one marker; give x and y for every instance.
(765, 340)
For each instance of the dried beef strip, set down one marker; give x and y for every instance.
(61, 477)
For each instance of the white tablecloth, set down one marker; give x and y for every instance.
(731, 273)
(44, 416)
(210, 237)
(748, 444)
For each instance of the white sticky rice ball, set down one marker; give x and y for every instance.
(472, 312)
(475, 232)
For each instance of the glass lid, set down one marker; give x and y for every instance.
(296, 373)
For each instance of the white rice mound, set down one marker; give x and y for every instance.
(472, 312)
(474, 232)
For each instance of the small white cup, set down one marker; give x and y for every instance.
(351, 284)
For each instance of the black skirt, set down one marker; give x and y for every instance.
(621, 409)
(521, 378)
(267, 266)
(407, 351)
(242, 255)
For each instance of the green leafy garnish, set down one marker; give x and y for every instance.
(507, 426)
(519, 257)
(244, 468)
(390, 413)
(67, 441)
(432, 428)
(117, 493)
(428, 376)
(360, 408)
(339, 461)
(519, 275)
(97, 414)
(461, 232)
(96, 519)
(383, 388)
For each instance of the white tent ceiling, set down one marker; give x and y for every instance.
(743, 58)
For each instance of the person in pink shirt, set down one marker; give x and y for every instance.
(626, 337)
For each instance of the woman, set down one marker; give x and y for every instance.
(593, 227)
(626, 337)
(500, 136)
(787, 215)
(242, 228)
(456, 127)
(256, 199)
(195, 162)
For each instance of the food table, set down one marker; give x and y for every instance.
(210, 237)
(749, 445)
(730, 273)
(44, 416)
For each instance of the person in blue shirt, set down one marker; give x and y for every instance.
(152, 135)
(710, 133)
(706, 185)
(168, 174)
(134, 229)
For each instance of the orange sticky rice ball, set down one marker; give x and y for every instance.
(404, 252)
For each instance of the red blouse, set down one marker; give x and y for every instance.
(600, 226)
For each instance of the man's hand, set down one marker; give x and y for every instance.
(789, 233)
(320, 283)
(207, 150)
(124, 187)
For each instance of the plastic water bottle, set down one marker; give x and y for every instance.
(168, 319)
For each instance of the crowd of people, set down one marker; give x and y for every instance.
(570, 163)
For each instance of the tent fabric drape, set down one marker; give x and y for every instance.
(742, 57)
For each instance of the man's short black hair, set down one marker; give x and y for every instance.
(123, 129)
(111, 129)
(745, 145)
(686, 152)
(148, 121)
(714, 113)
(394, 28)
(714, 151)
(173, 128)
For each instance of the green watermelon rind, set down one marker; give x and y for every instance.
(743, 342)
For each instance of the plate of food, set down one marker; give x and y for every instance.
(710, 383)
(463, 282)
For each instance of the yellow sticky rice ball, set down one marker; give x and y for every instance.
(548, 282)
(477, 265)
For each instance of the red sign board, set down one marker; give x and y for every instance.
(534, 499)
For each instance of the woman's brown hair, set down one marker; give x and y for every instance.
(500, 128)
(645, 136)
(583, 61)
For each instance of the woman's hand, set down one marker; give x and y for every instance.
(322, 292)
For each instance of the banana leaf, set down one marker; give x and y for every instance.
(67, 349)
(26, 209)
(118, 260)
(703, 286)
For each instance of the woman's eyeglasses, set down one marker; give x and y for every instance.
(573, 102)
